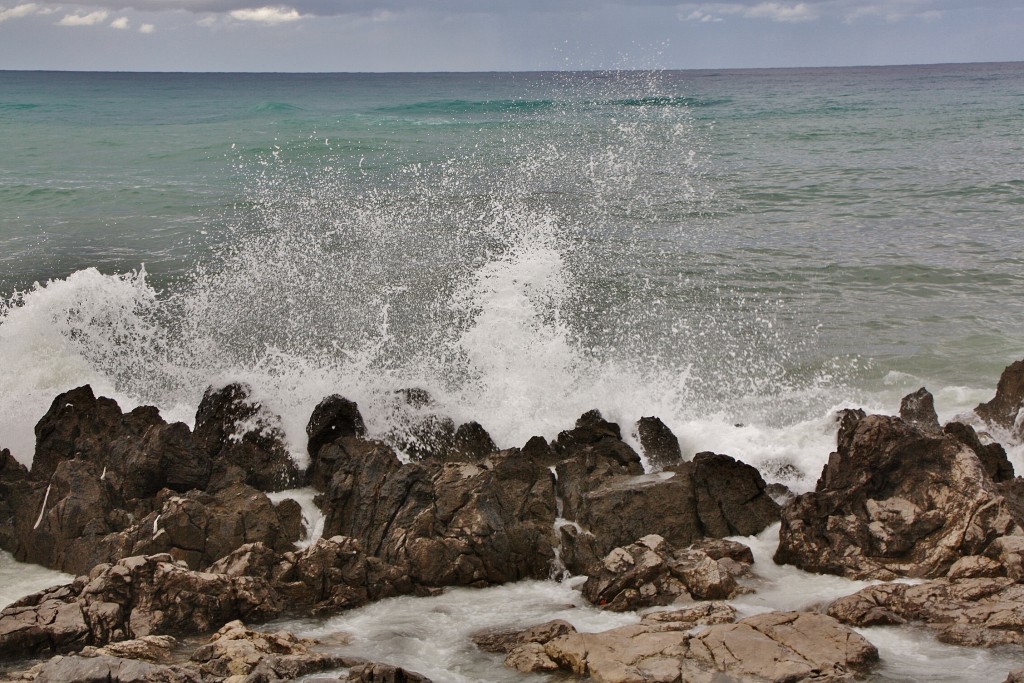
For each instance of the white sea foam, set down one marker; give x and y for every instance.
(18, 579)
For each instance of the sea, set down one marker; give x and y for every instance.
(741, 253)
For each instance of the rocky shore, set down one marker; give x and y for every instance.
(180, 554)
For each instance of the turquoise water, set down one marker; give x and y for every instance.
(718, 248)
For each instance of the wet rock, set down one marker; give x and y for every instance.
(110, 669)
(731, 497)
(199, 528)
(660, 445)
(651, 572)
(237, 651)
(1005, 409)
(136, 597)
(540, 451)
(373, 672)
(506, 641)
(918, 409)
(895, 501)
(239, 435)
(333, 418)
(138, 449)
(452, 524)
(778, 646)
(979, 612)
(713, 495)
(992, 455)
(1016, 676)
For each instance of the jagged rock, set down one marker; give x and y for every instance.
(992, 455)
(136, 597)
(918, 409)
(1005, 409)
(199, 528)
(239, 434)
(540, 451)
(1015, 676)
(452, 524)
(778, 646)
(660, 445)
(236, 650)
(895, 501)
(156, 649)
(581, 553)
(651, 572)
(701, 614)
(373, 672)
(506, 641)
(979, 612)
(138, 449)
(713, 495)
(333, 418)
(110, 669)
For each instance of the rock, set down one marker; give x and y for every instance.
(659, 443)
(373, 672)
(236, 650)
(918, 409)
(895, 501)
(992, 455)
(506, 641)
(156, 649)
(1016, 676)
(702, 614)
(237, 432)
(628, 654)
(974, 567)
(111, 669)
(714, 495)
(651, 572)
(731, 497)
(1005, 408)
(200, 528)
(777, 646)
(138, 449)
(136, 597)
(540, 451)
(452, 524)
(978, 612)
(334, 417)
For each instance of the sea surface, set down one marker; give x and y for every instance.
(740, 253)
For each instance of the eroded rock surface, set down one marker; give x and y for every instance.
(1006, 409)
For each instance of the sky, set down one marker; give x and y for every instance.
(501, 35)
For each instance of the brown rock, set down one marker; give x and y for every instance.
(374, 672)
(1005, 408)
(659, 443)
(236, 650)
(918, 409)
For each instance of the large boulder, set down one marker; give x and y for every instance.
(137, 596)
(137, 450)
(895, 501)
(1006, 409)
(652, 572)
(236, 651)
(660, 445)
(243, 440)
(978, 611)
(782, 647)
(450, 524)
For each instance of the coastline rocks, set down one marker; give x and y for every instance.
(895, 501)
(448, 524)
(918, 409)
(777, 646)
(1006, 409)
(138, 449)
(238, 651)
(137, 596)
(660, 445)
(650, 572)
(979, 611)
(243, 440)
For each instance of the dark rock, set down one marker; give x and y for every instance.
(453, 524)
(977, 612)
(659, 443)
(471, 443)
(374, 672)
(334, 417)
(1005, 408)
(139, 449)
(993, 456)
(237, 432)
(415, 397)
(731, 497)
(918, 409)
(895, 501)
(540, 451)
(581, 551)
(137, 596)
(505, 641)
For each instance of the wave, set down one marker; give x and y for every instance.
(456, 107)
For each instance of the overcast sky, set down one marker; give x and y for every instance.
(471, 35)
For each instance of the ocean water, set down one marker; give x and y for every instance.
(740, 253)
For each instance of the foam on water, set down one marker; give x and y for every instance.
(18, 579)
